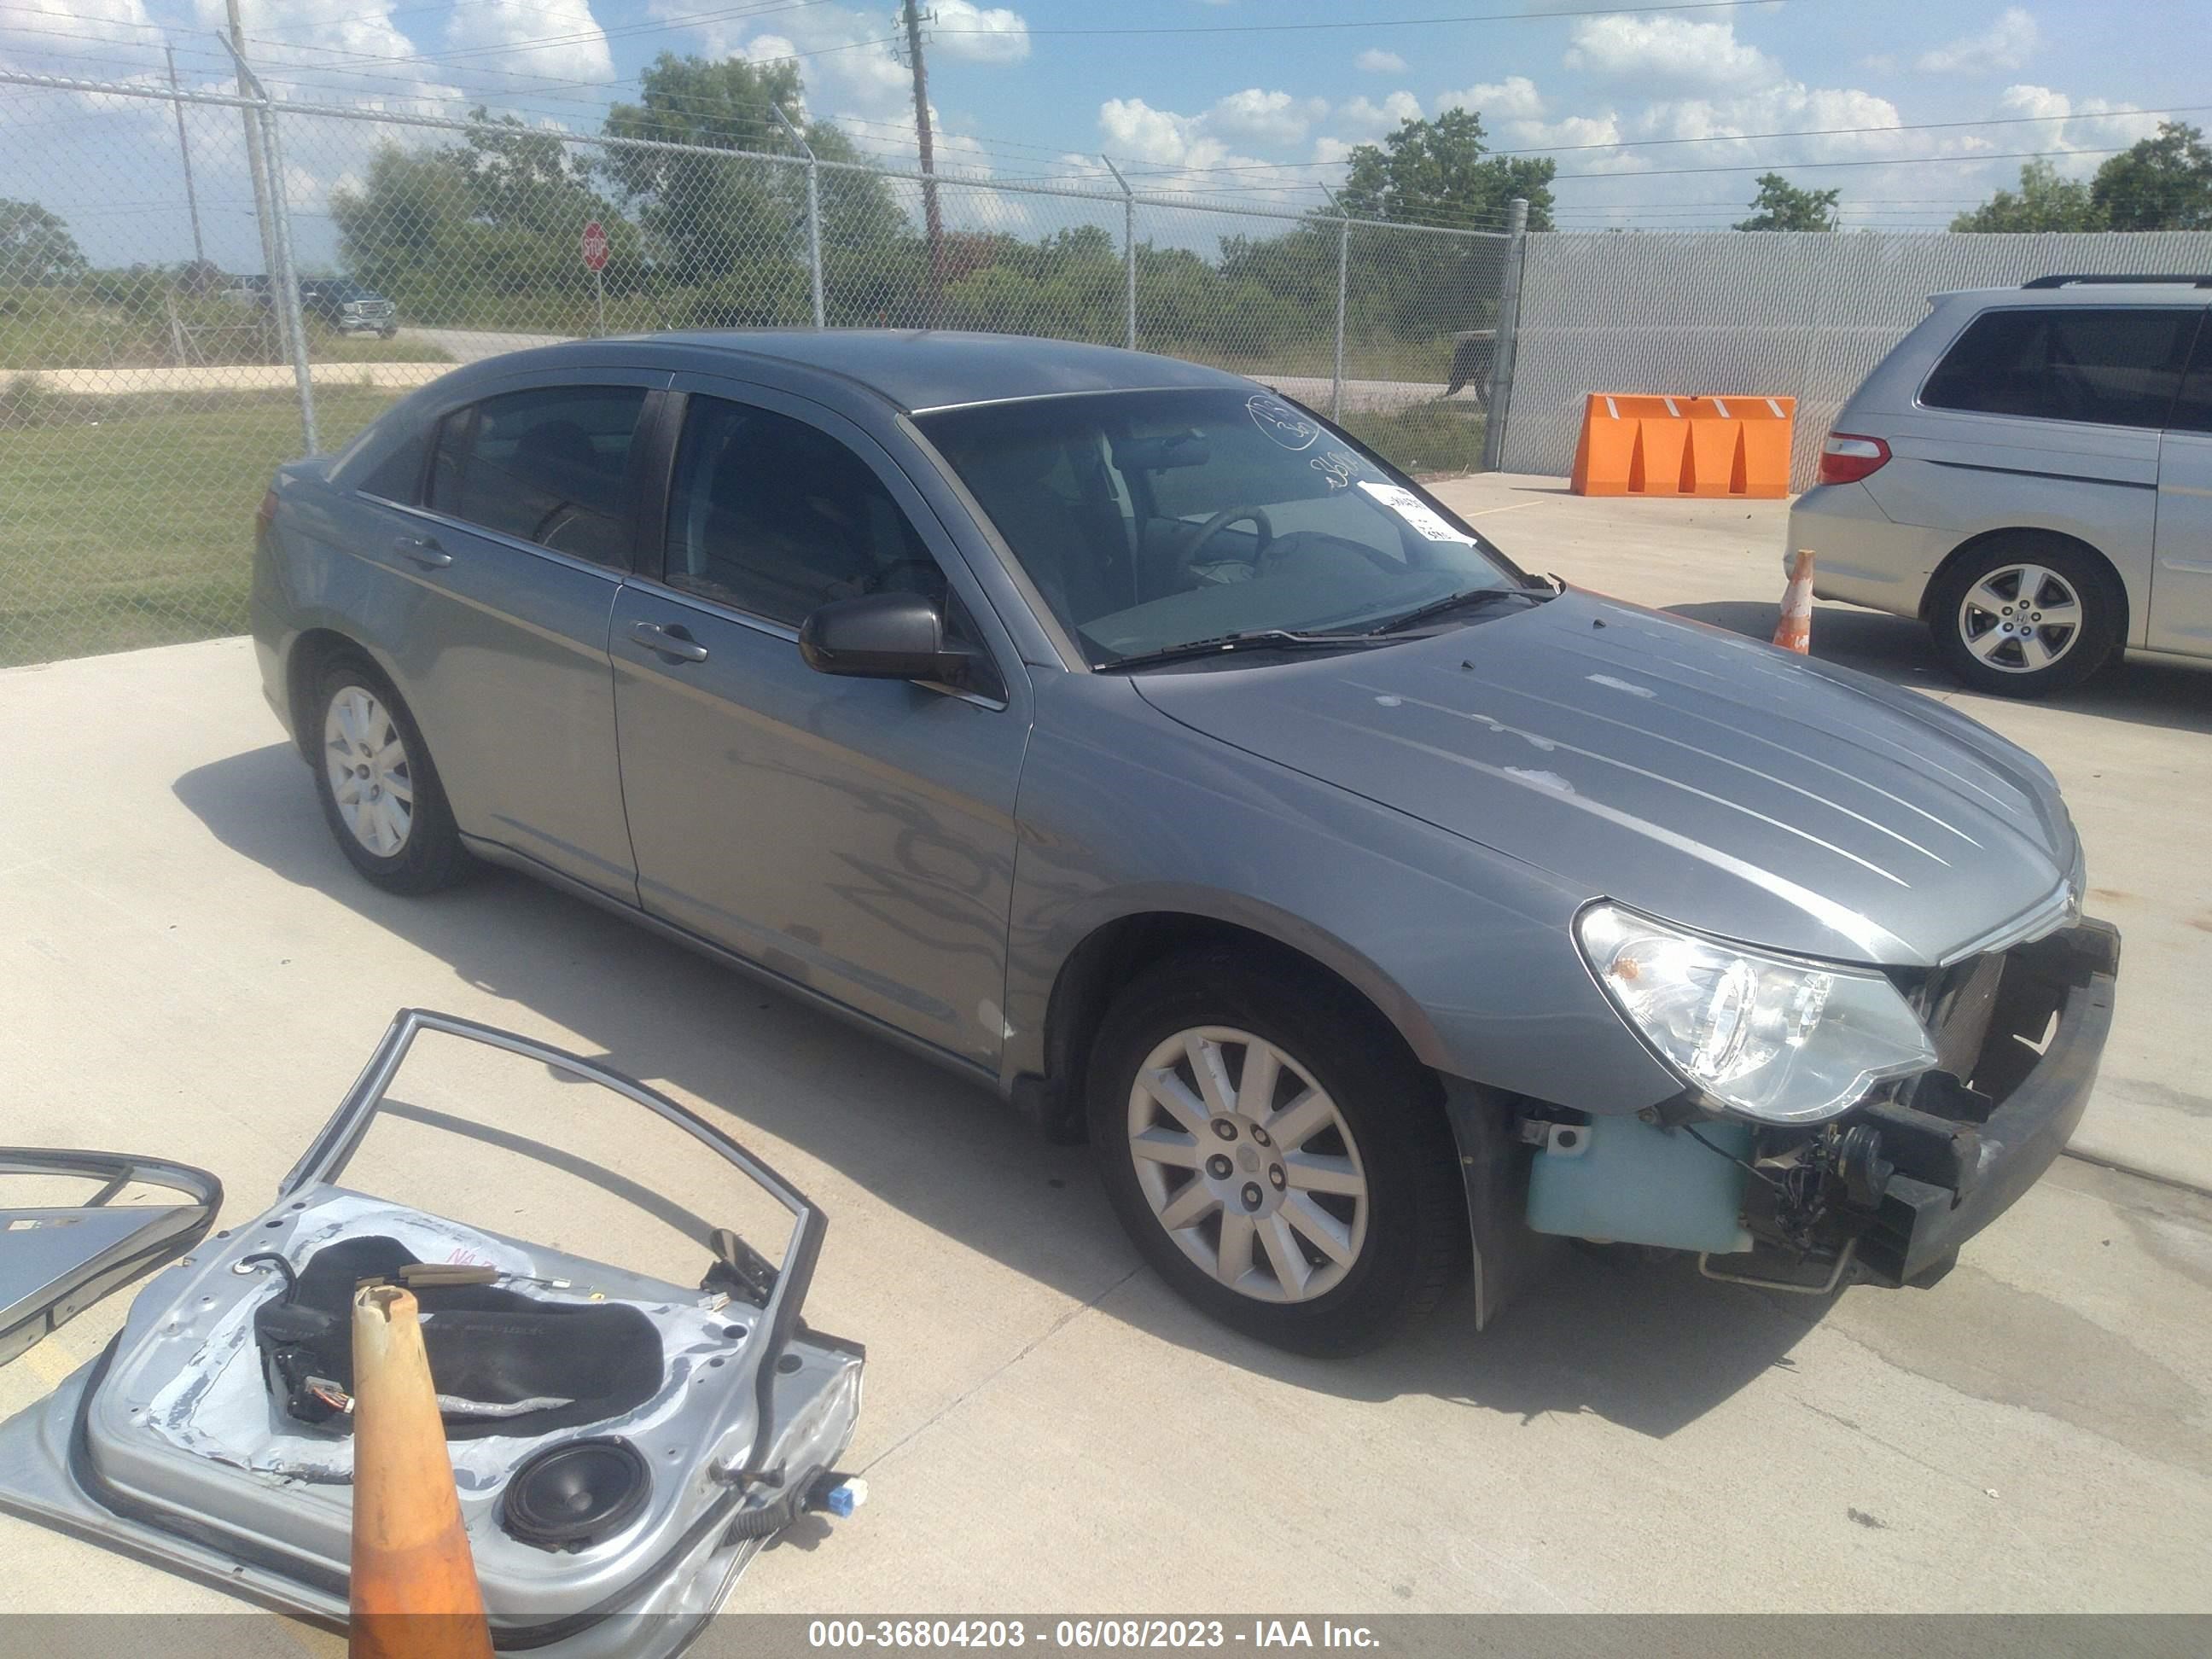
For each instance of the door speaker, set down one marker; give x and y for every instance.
(575, 1494)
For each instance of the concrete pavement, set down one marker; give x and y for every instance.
(195, 972)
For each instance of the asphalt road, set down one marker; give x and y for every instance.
(195, 972)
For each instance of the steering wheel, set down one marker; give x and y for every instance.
(1227, 516)
(932, 578)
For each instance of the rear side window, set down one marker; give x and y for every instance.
(551, 466)
(2115, 367)
(2192, 410)
(398, 475)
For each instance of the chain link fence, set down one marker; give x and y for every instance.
(1766, 314)
(206, 285)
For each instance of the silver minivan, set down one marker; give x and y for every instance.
(2030, 473)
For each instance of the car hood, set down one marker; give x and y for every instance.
(1690, 773)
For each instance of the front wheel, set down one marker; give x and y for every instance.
(2025, 615)
(1275, 1154)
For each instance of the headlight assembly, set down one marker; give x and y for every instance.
(1774, 1039)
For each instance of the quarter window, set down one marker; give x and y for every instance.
(2114, 367)
(2192, 410)
(549, 466)
(776, 517)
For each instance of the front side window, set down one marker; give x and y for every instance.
(2116, 366)
(775, 517)
(551, 466)
(1150, 520)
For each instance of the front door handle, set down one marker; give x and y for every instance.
(671, 641)
(423, 550)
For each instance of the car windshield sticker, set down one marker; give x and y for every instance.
(1336, 465)
(1281, 423)
(1415, 512)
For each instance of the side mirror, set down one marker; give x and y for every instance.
(884, 636)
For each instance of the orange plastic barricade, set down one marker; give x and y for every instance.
(1711, 447)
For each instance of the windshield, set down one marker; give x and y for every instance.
(1153, 519)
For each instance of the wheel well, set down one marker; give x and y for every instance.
(1116, 953)
(1975, 543)
(310, 652)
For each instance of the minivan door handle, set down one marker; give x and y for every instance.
(423, 550)
(671, 641)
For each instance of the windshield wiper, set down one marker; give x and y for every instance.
(1466, 599)
(1269, 639)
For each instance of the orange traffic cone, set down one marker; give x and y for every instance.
(1793, 632)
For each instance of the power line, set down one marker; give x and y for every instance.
(1545, 15)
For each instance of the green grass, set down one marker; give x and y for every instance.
(129, 521)
(1426, 439)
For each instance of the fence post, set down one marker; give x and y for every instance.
(813, 211)
(265, 153)
(1343, 269)
(1509, 323)
(1128, 254)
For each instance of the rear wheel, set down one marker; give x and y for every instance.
(2025, 616)
(379, 792)
(1275, 1154)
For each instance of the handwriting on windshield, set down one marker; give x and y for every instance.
(1281, 423)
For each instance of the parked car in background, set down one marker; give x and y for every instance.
(335, 303)
(2029, 472)
(348, 306)
(1123, 736)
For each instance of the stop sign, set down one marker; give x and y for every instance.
(595, 246)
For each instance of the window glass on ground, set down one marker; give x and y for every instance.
(2116, 368)
(2192, 410)
(549, 466)
(776, 517)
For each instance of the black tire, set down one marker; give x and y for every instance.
(2008, 671)
(1391, 1111)
(429, 855)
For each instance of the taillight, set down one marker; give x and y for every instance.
(265, 514)
(1846, 458)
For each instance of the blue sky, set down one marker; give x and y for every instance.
(1228, 97)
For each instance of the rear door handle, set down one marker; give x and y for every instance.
(671, 641)
(423, 550)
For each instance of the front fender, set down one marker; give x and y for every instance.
(1466, 950)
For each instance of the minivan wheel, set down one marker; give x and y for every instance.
(380, 792)
(1274, 1154)
(2025, 616)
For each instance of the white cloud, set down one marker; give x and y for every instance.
(2006, 44)
(1363, 118)
(1667, 50)
(1268, 118)
(571, 44)
(2075, 123)
(1190, 153)
(1375, 61)
(993, 35)
(1515, 98)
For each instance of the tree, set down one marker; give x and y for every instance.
(1780, 205)
(737, 227)
(1433, 172)
(2045, 202)
(2161, 183)
(36, 248)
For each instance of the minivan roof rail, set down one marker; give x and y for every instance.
(2070, 281)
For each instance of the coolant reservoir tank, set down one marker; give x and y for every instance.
(1631, 1182)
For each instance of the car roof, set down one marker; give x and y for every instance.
(920, 369)
(2151, 291)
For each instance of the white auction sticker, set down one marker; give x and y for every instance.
(1415, 512)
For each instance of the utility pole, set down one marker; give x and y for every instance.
(934, 223)
(253, 154)
(184, 148)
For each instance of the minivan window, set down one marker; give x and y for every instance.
(2192, 410)
(549, 466)
(774, 516)
(2116, 366)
